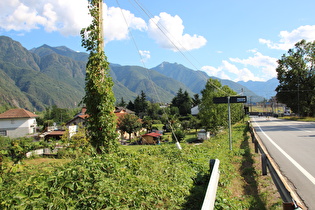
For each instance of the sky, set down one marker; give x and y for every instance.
(236, 40)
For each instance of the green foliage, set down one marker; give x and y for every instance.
(78, 140)
(129, 123)
(17, 148)
(297, 79)
(136, 177)
(122, 102)
(183, 102)
(58, 115)
(99, 98)
(141, 105)
(178, 135)
(196, 100)
(214, 116)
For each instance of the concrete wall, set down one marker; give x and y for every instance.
(18, 127)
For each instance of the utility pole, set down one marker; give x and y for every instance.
(100, 26)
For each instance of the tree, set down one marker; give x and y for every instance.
(122, 102)
(213, 116)
(178, 135)
(129, 123)
(99, 97)
(131, 106)
(194, 123)
(153, 110)
(196, 100)
(183, 102)
(141, 105)
(147, 123)
(296, 75)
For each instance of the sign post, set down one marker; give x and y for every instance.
(228, 100)
(230, 127)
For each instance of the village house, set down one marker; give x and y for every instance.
(81, 117)
(151, 138)
(16, 123)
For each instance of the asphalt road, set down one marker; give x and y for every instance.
(292, 145)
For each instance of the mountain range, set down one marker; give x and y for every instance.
(46, 76)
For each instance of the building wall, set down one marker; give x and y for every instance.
(18, 127)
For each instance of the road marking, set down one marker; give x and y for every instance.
(303, 171)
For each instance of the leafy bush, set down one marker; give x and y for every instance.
(136, 177)
(180, 135)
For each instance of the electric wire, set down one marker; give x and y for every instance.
(165, 33)
(148, 74)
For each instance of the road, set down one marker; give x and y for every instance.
(292, 145)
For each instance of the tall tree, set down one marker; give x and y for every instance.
(122, 102)
(183, 102)
(296, 75)
(99, 98)
(196, 100)
(141, 104)
(213, 116)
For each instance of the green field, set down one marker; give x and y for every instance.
(144, 177)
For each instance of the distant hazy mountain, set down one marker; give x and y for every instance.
(196, 80)
(46, 76)
(264, 89)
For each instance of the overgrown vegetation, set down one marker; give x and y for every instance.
(141, 177)
(99, 97)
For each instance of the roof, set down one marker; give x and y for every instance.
(152, 134)
(56, 133)
(17, 113)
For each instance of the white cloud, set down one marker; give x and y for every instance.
(116, 25)
(288, 39)
(145, 55)
(267, 64)
(168, 32)
(261, 68)
(216, 72)
(68, 17)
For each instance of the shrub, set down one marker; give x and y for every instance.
(180, 135)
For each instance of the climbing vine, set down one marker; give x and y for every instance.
(99, 98)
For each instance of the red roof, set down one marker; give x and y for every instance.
(152, 134)
(17, 113)
(56, 133)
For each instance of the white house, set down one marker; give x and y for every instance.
(17, 123)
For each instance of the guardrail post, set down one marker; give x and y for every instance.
(264, 164)
(256, 146)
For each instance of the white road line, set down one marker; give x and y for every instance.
(303, 171)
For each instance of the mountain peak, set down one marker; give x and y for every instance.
(61, 50)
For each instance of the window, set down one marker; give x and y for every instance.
(3, 133)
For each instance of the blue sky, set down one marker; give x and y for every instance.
(236, 40)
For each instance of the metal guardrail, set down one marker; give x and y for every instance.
(209, 200)
(289, 197)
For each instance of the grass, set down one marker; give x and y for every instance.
(295, 118)
(44, 162)
(240, 187)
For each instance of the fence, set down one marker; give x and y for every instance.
(289, 197)
(43, 151)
